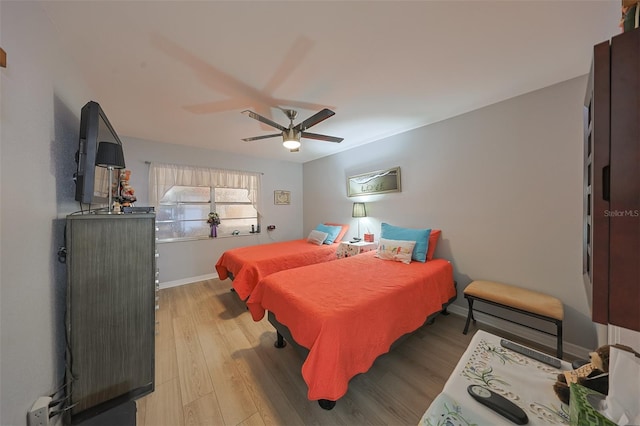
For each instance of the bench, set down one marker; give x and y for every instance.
(516, 299)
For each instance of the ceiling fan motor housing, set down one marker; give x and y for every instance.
(292, 114)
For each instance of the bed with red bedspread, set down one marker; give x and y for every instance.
(348, 312)
(248, 265)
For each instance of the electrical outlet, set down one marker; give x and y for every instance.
(39, 413)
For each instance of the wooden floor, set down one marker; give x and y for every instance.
(216, 366)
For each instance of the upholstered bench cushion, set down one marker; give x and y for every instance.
(516, 297)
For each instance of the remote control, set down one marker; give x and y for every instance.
(538, 356)
(499, 404)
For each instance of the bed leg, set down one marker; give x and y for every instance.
(280, 343)
(326, 404)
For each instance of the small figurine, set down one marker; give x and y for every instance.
(127, 193)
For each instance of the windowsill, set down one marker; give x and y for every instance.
(181, 240)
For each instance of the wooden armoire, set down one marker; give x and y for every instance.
(611, 254)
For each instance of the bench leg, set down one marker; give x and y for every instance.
(559, 337)
(469, 316)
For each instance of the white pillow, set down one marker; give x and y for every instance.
(317, 237)
(397, 250)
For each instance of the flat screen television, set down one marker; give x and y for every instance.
(92, 182)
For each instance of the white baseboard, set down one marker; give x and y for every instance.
(189, 280)
(524, 332)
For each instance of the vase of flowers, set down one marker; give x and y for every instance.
(213, 220)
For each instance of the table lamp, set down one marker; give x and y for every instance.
(110, 156)
(359, 211)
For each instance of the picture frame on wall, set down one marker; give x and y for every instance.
(281, 197)
(377, 182)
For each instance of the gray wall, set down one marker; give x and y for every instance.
(42, 94)
(181, 261)
(504, 183)
(41, 100)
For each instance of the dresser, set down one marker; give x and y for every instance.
(110, 319)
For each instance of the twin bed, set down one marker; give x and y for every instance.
(345, 313)
(246, 266)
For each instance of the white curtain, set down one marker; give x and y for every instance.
(164, 176)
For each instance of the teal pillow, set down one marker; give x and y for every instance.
(420, 236)
(332, 232)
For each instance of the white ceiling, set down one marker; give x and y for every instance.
(182, 71)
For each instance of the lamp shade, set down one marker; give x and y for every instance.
(359, 210)
(110, 155)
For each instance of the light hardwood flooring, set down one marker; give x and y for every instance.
(216, 366)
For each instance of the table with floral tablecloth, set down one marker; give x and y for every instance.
(526, 382)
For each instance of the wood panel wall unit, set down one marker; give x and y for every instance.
(611, 255)
(596, 169)
(110, 320)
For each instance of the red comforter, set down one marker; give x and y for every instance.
(350, 311)
(250, 264)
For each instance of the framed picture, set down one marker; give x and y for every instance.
(281, 197)
(377, 182)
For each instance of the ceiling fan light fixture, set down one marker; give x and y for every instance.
(291, 144)
(291, 139)
(291, 135)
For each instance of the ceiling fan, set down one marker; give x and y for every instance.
(291, 135)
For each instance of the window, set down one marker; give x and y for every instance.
(235, 210)
(184, 196)
(182, 212)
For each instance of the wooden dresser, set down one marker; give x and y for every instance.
(110, 319)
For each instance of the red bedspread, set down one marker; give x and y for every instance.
(250, 264)
(350, 311)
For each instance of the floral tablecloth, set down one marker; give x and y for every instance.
(525, 381)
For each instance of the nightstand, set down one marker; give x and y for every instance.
(347, 249)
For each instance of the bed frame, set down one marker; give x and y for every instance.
(283, 335)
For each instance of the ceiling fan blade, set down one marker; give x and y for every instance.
(255, 138)
(321, 137)
(314, 119)
(218, 106)
(263, 120)
(294, 56)
(300, 104)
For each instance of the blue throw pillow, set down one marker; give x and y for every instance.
(333, 232)
(420, 236)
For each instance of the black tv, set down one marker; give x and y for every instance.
(92, 182)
